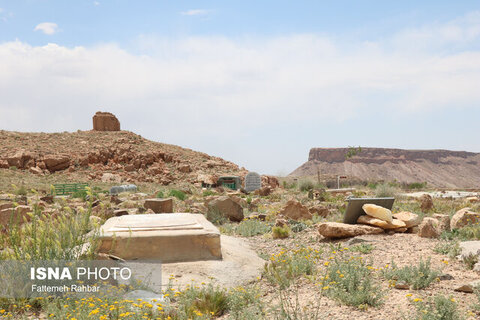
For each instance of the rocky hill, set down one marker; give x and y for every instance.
(119, 156)
(441, 168)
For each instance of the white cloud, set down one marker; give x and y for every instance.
(216, 92)
(47, 27)
(96, 3)
(195, 12)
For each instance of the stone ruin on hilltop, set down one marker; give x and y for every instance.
(105, 121)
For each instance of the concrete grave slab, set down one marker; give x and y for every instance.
(174, 237)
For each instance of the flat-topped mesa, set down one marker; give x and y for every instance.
(382, 155)
(440, 168)
(105, 121)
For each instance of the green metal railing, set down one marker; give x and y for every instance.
(68, 188)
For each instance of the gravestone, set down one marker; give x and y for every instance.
(173, 237)
(253, 181)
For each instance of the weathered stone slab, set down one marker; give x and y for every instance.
(253, 181)
(159, 205)
(172, 237)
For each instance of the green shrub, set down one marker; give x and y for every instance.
(160, 195)
(215, 216)
(385, 190)
(48, 238)
(21, 191)
(284, 267)
(438, 308)
(244, 303)
(470, 260)
(418, 277)
(451, 248)
(280, 232)
(350, 281)
(364, 248)
(180, 195)
(306, 185)
(297, 226)
(207, 193)
(252, 227)
(206, 300)
(417, 185)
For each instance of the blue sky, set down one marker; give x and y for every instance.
(256, 82)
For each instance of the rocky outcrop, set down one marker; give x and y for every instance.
(337, 230)
(227, 207)
(464, 217)
(440, 168)
(105, 121)
(296, 211)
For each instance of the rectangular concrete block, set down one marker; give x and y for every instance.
(174, 237)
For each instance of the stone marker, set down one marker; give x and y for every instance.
(176, 237)
(105, 121)
(159, 205)
(253, 181)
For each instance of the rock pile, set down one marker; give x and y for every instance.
(105, 121)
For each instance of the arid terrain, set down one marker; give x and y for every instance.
(439, 168)
(307, 264)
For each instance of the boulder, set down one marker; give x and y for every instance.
(378, 212)
(111, 177)
(105, 121)
(320, 211)
(426, 203)
(159, 205)
(263, 191)
(18, 215)
(469, 287)
(428, 228)
(410, 219)
(270, 181)
(295, 210)
(56, 162)
(337, 230)
(364, 219)
(443, 222)
(464, 217)
(472, 199)
(227, 207)
(35, 170)
(469, 249)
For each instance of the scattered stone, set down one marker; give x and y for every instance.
(464, 217)
(426, 203)
(443, 222)
(400, 230)
(446, 276)
(476, 267)
(270, 181)
(413, 230)
(378, 212)
(472, 199)
(56, 162)
(263, 191)
(402, 285)
(468, 288)
(120, 212)
(48, 199)
(95, 203)
(469, 248)
(6, 205)
(428, 228)
(364, 219)
(227, 207)
(105, 121)
(35, 170)
(320, 211)
(296, 211)
(111, 177)
(410, 219)
(159, 205)
(281, 223)
(258, 216)
(17, 215)
(337, 230)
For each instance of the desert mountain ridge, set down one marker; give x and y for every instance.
(110, 155)
(439, 168)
